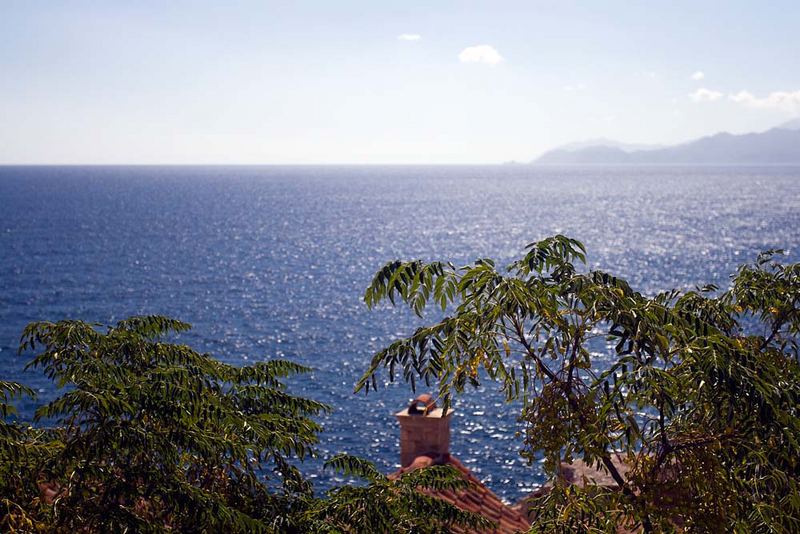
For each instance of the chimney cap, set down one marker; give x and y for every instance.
(423, 406)
(425, 402)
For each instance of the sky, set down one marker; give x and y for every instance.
(297, 82)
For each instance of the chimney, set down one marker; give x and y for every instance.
(424, 429)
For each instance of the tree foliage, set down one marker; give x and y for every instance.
(22, 449)
(159, 436)
(149, 435)
(353, 509)
(702, 396)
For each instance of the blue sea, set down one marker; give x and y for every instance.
(272, 262)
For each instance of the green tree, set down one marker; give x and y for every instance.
(156, 435)
(385, 504)
(151, 436)
(22, 449)
(702, 400)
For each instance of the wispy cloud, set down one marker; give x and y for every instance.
(480, 54)
(409, 37)
(705, 95)
(699, 75)
(786, 101)
(778, 100)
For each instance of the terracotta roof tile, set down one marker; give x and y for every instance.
(479, 498)
(580, 473)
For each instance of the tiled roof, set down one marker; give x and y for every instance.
(479, 498)
(580, 473)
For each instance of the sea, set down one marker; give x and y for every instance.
(272, 262)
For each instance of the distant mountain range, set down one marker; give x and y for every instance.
(780, 145)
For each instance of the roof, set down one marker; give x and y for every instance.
(581, 474)
(478, 498)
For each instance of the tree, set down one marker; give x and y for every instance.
(156, 435)
(153, 436)
(22, 449)
(702, 401)
(392, 505)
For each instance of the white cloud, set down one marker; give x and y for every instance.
(480, 54)
(699, 75)
(779, 100)
(705, 95)
(409, 37)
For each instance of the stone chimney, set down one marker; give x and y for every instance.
(424, 429)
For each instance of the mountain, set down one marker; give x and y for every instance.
(793, 124)
(779, 145)
(608, 143)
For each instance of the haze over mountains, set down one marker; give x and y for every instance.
(777, 146)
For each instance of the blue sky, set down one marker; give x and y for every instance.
(383, 82)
